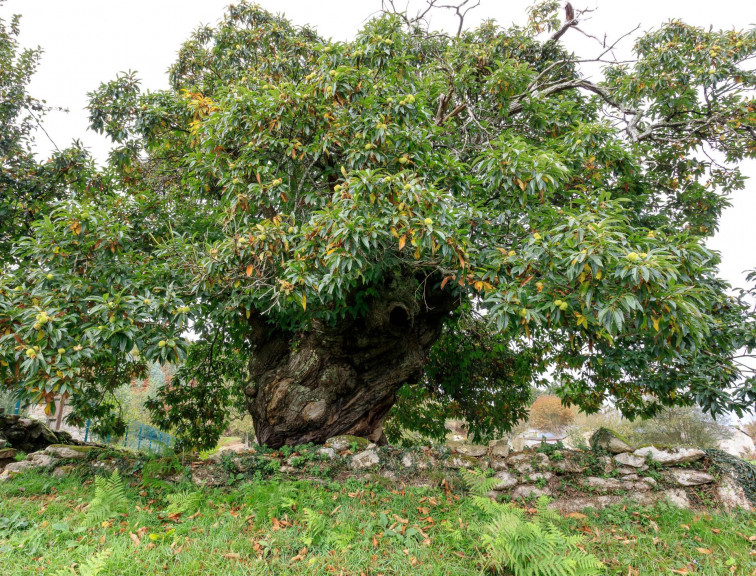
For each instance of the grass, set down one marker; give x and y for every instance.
(272, 527)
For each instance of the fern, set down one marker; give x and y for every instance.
(479, 483)
(91, 567)
(315, 527)
(109, 499)
(528, 548)
(182, 502)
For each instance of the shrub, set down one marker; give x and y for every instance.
(548, 413)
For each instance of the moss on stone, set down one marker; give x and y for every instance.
(74, 447)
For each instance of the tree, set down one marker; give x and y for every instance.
(679, 426)
(334, 214)
(550, 414)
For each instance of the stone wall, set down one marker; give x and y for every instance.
(25, 435)
(611, 473)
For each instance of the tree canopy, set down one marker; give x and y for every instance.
(514, 221)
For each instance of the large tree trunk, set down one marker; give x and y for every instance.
(341, 379)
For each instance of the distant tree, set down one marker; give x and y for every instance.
(686, 425)
(550, 414)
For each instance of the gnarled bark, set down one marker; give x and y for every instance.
(341, 379)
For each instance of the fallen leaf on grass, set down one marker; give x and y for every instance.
(134, 538)
(704, 550)
(232, 556)
(300, 556)
(576, 516)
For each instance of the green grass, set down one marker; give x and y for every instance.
(263, 527)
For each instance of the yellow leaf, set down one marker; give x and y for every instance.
(343, 171)
(250, 269)
(304, 302)
(655, 322)
(417, 253)
(402, 241)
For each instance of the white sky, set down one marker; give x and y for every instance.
(89, 41)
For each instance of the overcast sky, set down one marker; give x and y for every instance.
(89, 41)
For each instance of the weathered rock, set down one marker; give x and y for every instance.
(242, 464)
(630, 460)
(463, 461)
(35, 460)
(499, 448)
(497, 463)
(62, 471)
(419, 460)
(527, 491)
(603, 484)
(474, 450)
(567, 463)
(683, 477)
(630, 477)
(74, 452)
(209, 475)
(287, 469)
(508, 480)
(329, 453)
(345, 442)
(607, 464)
(634, 487)
(7, 453)
(41, 460)
(650, 481)
(389, 475)
(534, 476)
(407, 460)
(732, 495)
(677, 497)
(609, 441)
(365, 459)
(26, 434)
(670, 456)
(527, 462)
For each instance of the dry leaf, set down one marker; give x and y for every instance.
(704, 550)
(134, 538)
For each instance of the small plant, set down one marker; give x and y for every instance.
(182, 502)
(528, 548)
(315, 527)
(109, 499)
(548, 448)
(13, 523)
(92, 567)
(154, 471)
